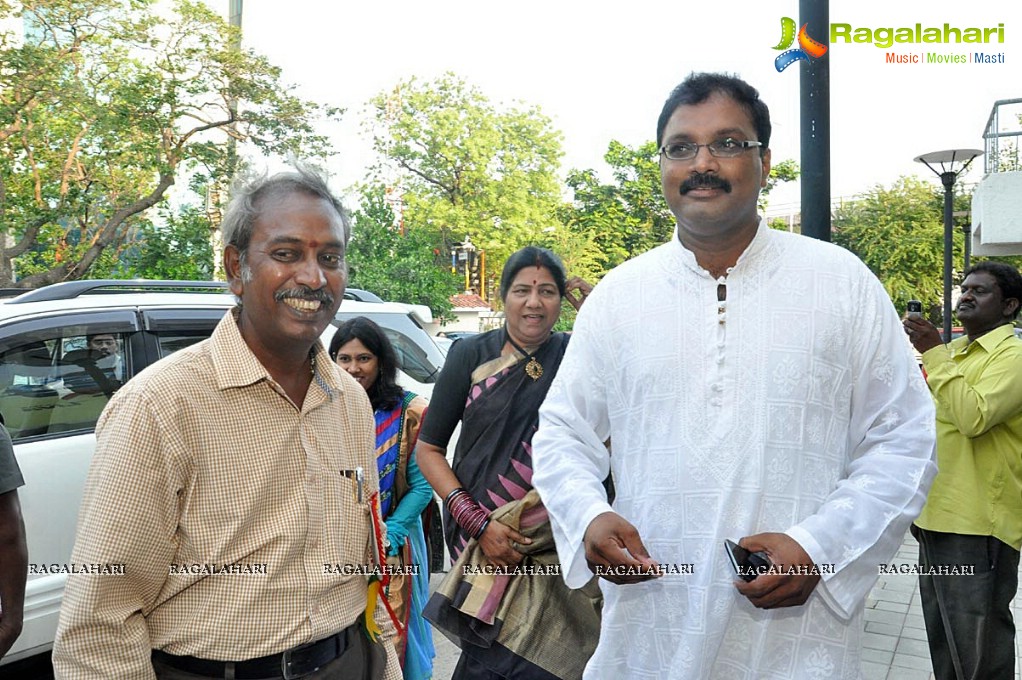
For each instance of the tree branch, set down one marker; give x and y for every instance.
(27, 239)
(415, 171)
(71, 155)
(107, 235)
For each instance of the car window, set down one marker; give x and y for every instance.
(172, 342)
(176, 328)
(410, 357)
(59, 380)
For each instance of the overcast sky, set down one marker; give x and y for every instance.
(602, 70)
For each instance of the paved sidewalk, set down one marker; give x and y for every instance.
(894, 643)
(895, 640)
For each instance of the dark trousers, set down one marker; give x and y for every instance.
(968, 618)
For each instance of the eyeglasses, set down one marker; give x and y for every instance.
(720, 148)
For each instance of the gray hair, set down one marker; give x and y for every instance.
(250, 197)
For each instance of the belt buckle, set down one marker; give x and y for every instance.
(285, 666)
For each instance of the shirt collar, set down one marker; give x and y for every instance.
(236, 366)
(990, 340)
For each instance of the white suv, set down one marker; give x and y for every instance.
(53, 388)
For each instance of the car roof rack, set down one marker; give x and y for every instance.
(72, 289)
(360, 295)
(67, 290)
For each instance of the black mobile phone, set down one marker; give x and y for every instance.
(748, 565)
(914, 309)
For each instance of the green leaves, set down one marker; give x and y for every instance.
(466, 166)
(400, 267)
(105, 104)
(899, 233)
(621, 220)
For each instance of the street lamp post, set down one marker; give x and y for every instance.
(952, 163)
(466, 254)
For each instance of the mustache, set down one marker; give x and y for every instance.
(705, 180)
(304, 293)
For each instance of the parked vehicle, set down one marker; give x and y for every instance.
(458, 335)
(53, 388)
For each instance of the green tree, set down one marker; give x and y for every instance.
(898, 231)
(466, 166)
(622, 219)
(104, 104)
(1006, 158)
(784, 171)
(177, 247)
(402, 268)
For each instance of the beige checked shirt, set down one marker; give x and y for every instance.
(229, 509)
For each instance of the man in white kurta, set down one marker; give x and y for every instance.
(777, 396)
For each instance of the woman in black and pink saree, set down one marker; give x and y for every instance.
(504, 601)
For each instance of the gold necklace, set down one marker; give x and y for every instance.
(533, 368)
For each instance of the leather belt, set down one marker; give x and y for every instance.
(292, 663)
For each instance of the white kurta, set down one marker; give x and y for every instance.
(794, 406)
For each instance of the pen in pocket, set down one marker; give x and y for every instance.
(358, 474)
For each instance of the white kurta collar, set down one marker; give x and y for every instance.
(686, 258)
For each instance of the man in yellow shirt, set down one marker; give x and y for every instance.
(970, 529)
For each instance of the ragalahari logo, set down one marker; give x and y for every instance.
(808, 49)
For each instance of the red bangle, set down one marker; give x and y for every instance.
(469, 515)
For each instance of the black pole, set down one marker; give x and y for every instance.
(948, 179)
(814, 104)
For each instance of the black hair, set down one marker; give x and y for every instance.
(1008, 280)
(533, 256)
(698, 87)
(89, 337)
(384, 393)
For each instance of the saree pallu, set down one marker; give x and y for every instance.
(407, 596)
(527, 624)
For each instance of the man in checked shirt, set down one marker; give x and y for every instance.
(240, 450)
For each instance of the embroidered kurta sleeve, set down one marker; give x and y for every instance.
(890, 465)
(571, 460)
